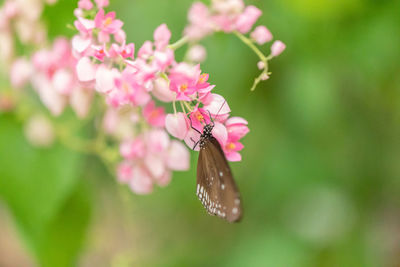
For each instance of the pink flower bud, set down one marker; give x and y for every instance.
(162, 35)
(176, 125)
(277, 48)
(261, 35)
(80, 100)
(247, 19)
(80, 44)
(197, 54)
(260, 65)
(124, 172)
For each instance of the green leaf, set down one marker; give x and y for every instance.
(37, 185)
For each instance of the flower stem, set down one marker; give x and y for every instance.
(260, 54)
(178, 44)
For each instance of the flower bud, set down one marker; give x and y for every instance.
(277, 48)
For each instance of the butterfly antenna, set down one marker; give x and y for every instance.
(190, 119)
(212, 120)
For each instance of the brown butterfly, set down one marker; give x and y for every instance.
(216, 188)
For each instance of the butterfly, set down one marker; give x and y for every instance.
(216, 187)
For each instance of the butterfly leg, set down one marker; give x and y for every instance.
(193, 127)
(195, 143)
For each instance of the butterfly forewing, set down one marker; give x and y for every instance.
(216, 188)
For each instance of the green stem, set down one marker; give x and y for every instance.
(178, 44)
(250, 44)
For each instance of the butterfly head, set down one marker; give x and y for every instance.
(207, 131)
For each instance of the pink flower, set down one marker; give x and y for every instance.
(197, 54)
(20, 73)
(231, 149)
(124, 172)
(247, 19)
(177, 125)
(141, 182)
(217, 105)
(125, 51)
(163, 59)
(133, 149)
(85, 4)
(261, 35)
(155, 116)
(228, 6)
(107, 23)
(105, 79)
(129, 90)
(84, 26)
(198, 118)
(277, 48)
(183, 80)
(201, 24)
(178, 157)
(100, 52)
(237, 128)
(146, 50)
(162, 35)
(102, 3)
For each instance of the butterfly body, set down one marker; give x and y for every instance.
(216, 188)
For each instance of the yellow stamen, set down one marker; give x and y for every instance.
(184, 87)
(108, 21)
(230, 146)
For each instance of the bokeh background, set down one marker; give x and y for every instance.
(320, 176)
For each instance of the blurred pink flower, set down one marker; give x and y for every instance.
(162, 35)
(155, 116)
(107, 25)
(183, 80)
(261, 35)
(21, 72)
(247, 19)
(277, 48)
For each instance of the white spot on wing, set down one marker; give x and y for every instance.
(235, 210)
(221, 173)
(222, 186)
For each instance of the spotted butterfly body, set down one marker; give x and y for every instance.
(216, 188)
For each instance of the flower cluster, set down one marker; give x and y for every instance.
(232, 16)
(134, 83)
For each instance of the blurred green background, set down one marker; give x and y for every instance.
(320, 170)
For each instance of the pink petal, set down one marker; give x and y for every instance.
(235, 120)
(220, 133)
(155, 165)
(177, 125)
(85, 70)
(124, 172)
(218, 105)
(192, 138)
(81, 100)
(165, 179)
(105, 79)
(80, 44)
(233, 156)
(178, 157)
(162, 92)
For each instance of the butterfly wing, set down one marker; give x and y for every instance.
(216, 188)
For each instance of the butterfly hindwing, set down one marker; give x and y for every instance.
(216, 188)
